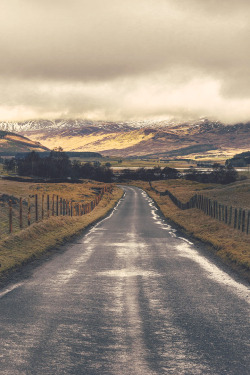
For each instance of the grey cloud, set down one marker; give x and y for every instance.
(97, 43)
(100, 45)
(215, 7)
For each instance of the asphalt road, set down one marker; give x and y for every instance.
(129, 297)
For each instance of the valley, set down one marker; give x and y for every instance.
(199, 140)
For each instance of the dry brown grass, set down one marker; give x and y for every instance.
(79, 193)
(236, 194)
(94, 142)
(231, 245)
(67, 190)
(17, 249)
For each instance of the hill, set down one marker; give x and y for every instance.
(12, 143)
(202, 138)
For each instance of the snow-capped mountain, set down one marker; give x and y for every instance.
(136, 137)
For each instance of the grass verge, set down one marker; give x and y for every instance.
(30, 243)
(231, 245)
(80, 193)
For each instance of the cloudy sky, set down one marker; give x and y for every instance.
(122, 60)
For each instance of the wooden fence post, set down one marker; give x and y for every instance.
(20, 213)
(235, 217)
(230, 215)
(243, 220)
(36, 208)
(248, 222)
(217, 213)
(48, 205)
(63, 207)
(57, 205)
(10, 216)
(29, 211)
(226, 214)
(42, 206)
(60, 206)
(53, 204)
(239, 218)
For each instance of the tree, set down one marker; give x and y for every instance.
(10, 164)
(169, 173)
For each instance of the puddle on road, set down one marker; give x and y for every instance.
(157, 218)
(128, 272)
(10, 289)
(213, 271)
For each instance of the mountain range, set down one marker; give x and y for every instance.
(144, 138)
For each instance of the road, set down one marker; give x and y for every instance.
(130, 297)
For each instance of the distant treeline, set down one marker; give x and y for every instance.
(219, 174)
(152, 174)
(57, 165)
(240, 160)
(70, 154)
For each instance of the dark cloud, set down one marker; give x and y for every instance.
(120, 46)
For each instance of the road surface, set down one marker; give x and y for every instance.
(129, 297)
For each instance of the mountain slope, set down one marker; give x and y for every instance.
(138, 138)
(12, 143)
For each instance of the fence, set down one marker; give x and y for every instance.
(234, 217)
(238, 218)
(22, 213)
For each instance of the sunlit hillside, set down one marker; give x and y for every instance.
(10, 142)
(203, 139)
(96, 142)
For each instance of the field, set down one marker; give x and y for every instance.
(23, 245)
(123, 163)
(231, 245)
(77, 193)
(116, 162)
(235, 194)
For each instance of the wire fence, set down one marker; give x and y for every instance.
(18, 213)
(235, 217)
